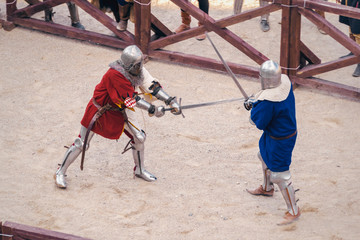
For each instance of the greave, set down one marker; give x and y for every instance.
(138, 155)
(267, 184)
(70, 156)
(74, 14)
(283, 180)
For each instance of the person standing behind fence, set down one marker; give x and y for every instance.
(125, 9)
(186, 19)
(354, 28)
(74, 15)
(264, 19)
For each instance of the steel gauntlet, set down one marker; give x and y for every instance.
(157, 111)
(160, 94)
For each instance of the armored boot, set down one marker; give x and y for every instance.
(267, 188)
(74, 15)
(124, 11)
(357, 71)
(283, 180)
(71, 154)
(186, 20)
(139, 169)
(201, 36)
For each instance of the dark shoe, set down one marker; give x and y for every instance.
(347, 55)
(264, 25)
(357, 71)
(78, 25)
(289, 218)
(261, 192)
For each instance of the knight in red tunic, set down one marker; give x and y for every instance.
(111, 111)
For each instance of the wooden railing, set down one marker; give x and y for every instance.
(297, 59)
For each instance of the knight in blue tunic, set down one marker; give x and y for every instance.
(273, 112)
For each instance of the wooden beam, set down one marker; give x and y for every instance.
(332, 87)
(37, 7)
(246, 15)
(159, 28)
(312, 70)
(105, 20)
(308, 54)
(20, 231)
(203, 62)
(210, 25)
(70, 32)
(330, 29)
(8, 26)
(330, 7)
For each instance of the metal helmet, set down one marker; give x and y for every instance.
(132, 59)
(270, 75)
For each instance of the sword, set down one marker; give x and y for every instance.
(207, 104)
(228, 69)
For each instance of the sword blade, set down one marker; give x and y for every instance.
(228, 68)
(197, 105)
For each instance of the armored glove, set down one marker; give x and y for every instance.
(248, 104)
(175, 107)
(159, 111)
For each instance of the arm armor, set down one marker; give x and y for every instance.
(152, 109)
(160, 94)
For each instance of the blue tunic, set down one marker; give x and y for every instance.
(276, 119)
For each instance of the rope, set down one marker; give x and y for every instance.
(291, 68)
(143, 4)
(6, 235)
(11, 2)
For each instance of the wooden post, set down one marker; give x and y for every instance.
(290, 38)
(10, 7)
(285, 32)
(142, 24)
(294, 39)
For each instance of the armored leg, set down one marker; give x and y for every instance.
(137, 143)
(71, 154)
(283, 180)
(267, 188)
(74, 15)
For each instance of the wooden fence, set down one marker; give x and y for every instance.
(16, 231)
(297, 59)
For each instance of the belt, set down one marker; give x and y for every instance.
(286, 137)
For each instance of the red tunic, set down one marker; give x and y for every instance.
(113, 88)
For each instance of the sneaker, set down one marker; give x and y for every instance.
(122, 25)
(347, 55)
(261, 192)
(357, 71)
(78, 25)
(264, 25)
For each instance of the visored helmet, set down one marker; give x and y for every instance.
(132, 59)
(270, 75)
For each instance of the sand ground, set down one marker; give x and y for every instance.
(204, 162)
